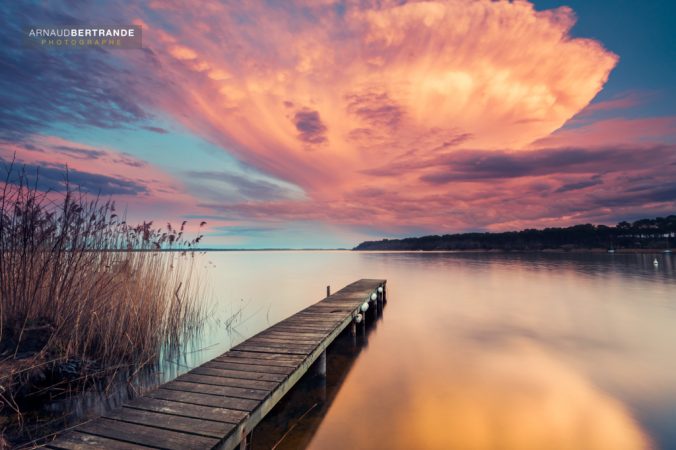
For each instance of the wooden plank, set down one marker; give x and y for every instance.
(267, 349)
(318, 316)
(233, 382)
(279, 340)
(335, 315)
(145, 435)
(283, 340)
(272, 357)
(341, 304)
(285, 334)
(287, 329)
(312, 320)
(290, 327)
(329, 311)
(220, 391)
(286, 343)
(188, 410)
(333, 305)
(245, 375)
(326, 330)
(289, 343)
(249, 367)
(281, 336)
(259, 361)
(303, 348)
(311, 327)
(201, 427)
(304, 322)
(81, 441)
(194, 398)
(338, 312)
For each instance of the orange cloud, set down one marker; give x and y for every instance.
(316, 97)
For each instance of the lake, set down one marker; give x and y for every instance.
(475, 350)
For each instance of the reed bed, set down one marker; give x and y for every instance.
(84, 294)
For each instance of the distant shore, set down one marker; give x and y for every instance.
(624, 251)
(642, 236)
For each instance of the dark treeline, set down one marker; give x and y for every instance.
(655, 233)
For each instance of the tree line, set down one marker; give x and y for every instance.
(657, 233)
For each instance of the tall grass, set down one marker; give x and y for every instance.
(79, 285)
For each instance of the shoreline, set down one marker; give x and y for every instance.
(625, 251)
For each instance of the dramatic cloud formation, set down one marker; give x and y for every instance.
(368, 85)
(437, 116)
(322, 96)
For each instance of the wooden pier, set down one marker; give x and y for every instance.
(218, 405)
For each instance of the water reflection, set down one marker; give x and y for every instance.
(477, 350)
(496, 350)
(514, 396)
(293, 422)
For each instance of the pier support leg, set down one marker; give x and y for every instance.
(328, 291)
(245, 444)
(321, 364)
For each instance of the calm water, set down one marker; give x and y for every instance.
(476, 350)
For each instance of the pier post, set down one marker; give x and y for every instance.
(321, 364)
(245, 444)
(353, 333)
(328, 291)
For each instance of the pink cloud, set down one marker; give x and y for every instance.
(624, 101)
(484, 69)
(495, 190)
(621, 131)
(319, 98)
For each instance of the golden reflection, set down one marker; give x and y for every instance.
(516, 396)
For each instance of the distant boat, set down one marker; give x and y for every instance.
(611, 250)
(655, 262)
(667, 251)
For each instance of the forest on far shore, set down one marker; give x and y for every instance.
(655, 233)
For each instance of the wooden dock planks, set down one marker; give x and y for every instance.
(217, 404)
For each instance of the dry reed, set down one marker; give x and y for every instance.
(83, 291)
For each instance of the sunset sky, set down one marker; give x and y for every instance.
(321, 124)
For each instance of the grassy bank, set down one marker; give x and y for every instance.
(77, 301)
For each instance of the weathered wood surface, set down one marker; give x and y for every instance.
(217, 404)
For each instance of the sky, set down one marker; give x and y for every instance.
(319, 124)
